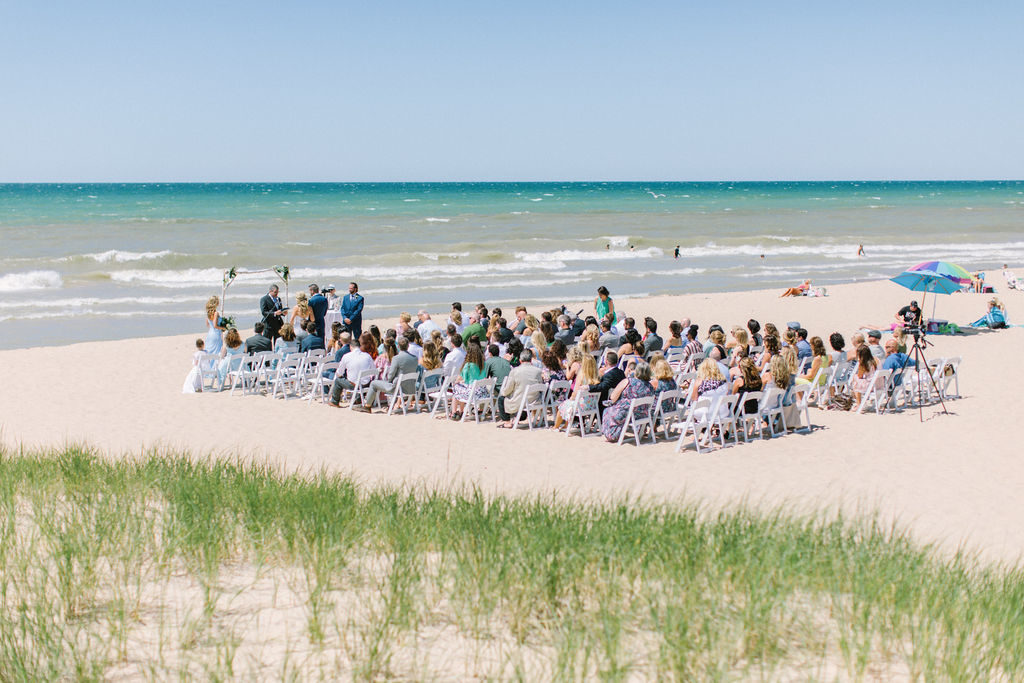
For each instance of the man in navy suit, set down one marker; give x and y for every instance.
(318, 304)
(352, 310)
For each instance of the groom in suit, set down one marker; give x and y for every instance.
(271, 312)
(318, 304)
(352, 310)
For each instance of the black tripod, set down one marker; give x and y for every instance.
(920, 361)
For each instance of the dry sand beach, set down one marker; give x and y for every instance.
(953, 481)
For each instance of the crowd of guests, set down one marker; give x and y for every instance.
(609, 358)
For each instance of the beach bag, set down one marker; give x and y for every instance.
(841, 401)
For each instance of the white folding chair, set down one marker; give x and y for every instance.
(556, 388)
(480, 401)
(639, 418)
(876, 392)
(771, 407)
(674, 357)
(666, 409)
(440, 395)
(208, 368)
(536, 408)
(581, 415)
(696, 423)
(361, 390)
(406, 400)
(801, 398)
(286, 377)
(248, 372)
(723, 416)
(745, 419)
(320, 385)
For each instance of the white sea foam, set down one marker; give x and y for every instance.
(191, 277)
(300, 244)
(30, 280)
(476, 284)
(410, 200)
(118, 256)
(579, 255)
(434, 256)
(432, 219)
(92, 301)
(616, 240)
(80, 313)
(431, 272)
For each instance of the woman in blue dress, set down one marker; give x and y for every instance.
(214, 331)
(637, 385)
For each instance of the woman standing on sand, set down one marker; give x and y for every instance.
(213, 341)
(604, 305)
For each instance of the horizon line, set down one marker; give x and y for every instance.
(470, 182)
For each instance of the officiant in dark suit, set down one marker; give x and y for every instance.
(272, 312)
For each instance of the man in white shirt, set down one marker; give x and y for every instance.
(352, 363)
(455, 358)
(426, 326)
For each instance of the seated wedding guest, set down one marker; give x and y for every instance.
(573, 363)
(505, 335)
(896, 361)
(866, 366)
(591, 338)
(548, 330)
(856, 341)
(608, 338)
(512, 352)
(675, 339)
(258, 341)
(553, 372)
(720, 356)
(564, 333)
(531, 326)
(611, 375)
(496, 366)
(781, 375)
(474, 329)
(231, 356)
(415, 347)
(709, 383)
(286, 343)
(663, 378)
(404, 323)
(754, 327)
(629, 341)
(538, 342)
(838, 344)
(875, 344)
(771, 349)
(692, 347)
(311, 341)
(637, 385)
(520, 321)
(335, 342)
(462, 387)
(586, 376)
(455, 358)
(820, 360)
(345, 339)
(357, 362)
(788, 337)
(560, 351)
(652, 342)
(425, 325)
(716, 337)
(770, 330)
(383, 360)
(455, 318)
(514, 388)
(739, 338)
(803, 347)
(402, 363)
(749, 380)
(378, 341)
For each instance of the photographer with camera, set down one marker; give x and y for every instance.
(909, 316)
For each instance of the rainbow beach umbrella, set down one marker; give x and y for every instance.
(945, 269)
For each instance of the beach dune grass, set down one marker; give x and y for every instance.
(168, 565)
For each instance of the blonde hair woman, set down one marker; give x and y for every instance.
(214, 330)
(303, 312)
(709, 380)
(539, 342)
(532, 325)
(586, 376)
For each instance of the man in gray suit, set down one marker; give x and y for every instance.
(565, 333)
(403, 363)
(515, 386)
(608, 339)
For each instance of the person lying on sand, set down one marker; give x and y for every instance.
(799, 290)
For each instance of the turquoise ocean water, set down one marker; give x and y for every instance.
(84, 262)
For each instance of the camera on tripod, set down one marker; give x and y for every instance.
(915, 330)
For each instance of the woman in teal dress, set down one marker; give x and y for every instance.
(604, 305)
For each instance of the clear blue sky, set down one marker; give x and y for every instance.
(362, 91)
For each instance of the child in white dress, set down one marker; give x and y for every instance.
(194, 379)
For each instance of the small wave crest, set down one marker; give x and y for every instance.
(616, 240)
(432, 219)
(117, 256)
(579, 255)
(434, 256)
(30, 280)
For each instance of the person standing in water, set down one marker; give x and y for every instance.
(677, 251)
